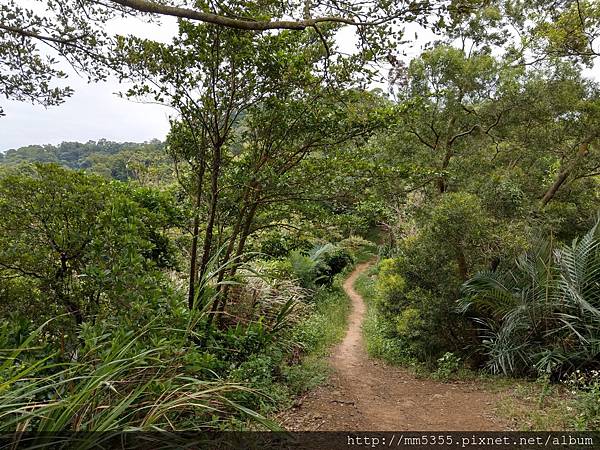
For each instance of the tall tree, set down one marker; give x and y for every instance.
(76, 32)
(212, 76)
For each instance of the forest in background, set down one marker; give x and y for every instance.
(195, 284)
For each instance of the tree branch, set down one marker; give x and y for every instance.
(464, 133)
(41, 37)
(240, 24)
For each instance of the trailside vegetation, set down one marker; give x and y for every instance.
(194, 284)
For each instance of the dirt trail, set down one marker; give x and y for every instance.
(365, 394)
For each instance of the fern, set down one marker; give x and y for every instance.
(544, 314)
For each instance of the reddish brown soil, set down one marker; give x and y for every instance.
(366, 394)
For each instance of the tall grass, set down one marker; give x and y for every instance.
(119, 375)
(118, 383)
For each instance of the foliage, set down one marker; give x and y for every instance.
(84, 246)
(361, 249)
(122, 379)
(542, 314)
(83, 35)
(416, 290)
(291, 363)
(586, 387)
(155, 376)
(448, 365)
(143, 162)
(319, 265)
(379, 333)
(279, 244)
(280, 145)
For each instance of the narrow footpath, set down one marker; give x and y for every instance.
(366, 394)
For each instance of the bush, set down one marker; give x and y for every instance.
(543, 313)
(279, 244)
(381, 335)
(419, 312)
(75, 245)
(418, 287)
(448, 365)
(320, 265)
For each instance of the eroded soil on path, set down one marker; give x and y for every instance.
(365, 394)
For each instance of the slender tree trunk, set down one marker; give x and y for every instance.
(564, 173)
(193, 261)
(212, 210)
(245, 232)
(236, 229)
(61, 276)
(194, 250)
(446, 146)
(441, 181)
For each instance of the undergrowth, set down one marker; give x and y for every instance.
(543, 405)
(378, 333)
(283, 375)
(573, 404)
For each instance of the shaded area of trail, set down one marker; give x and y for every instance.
(365, 394)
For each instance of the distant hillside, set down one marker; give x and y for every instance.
(118, 160)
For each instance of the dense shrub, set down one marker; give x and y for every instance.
(82, 246)
(319, 265)
(419, 284)
(279, 244)
(542, 314)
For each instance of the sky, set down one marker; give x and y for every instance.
(94, 111)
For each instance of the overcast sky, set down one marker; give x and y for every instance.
(95, 112)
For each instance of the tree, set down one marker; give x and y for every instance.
(75, 31)
(287, 144)
(252, 107)
(571, 32)
(212, 76)
(453, 101)
(80, 243)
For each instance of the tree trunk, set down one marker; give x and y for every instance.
(447, 147)
(238, 254)
(563, 174)
(236, 230)
(194, 249)
(61, 275)
(212, 210)
(441, 182)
